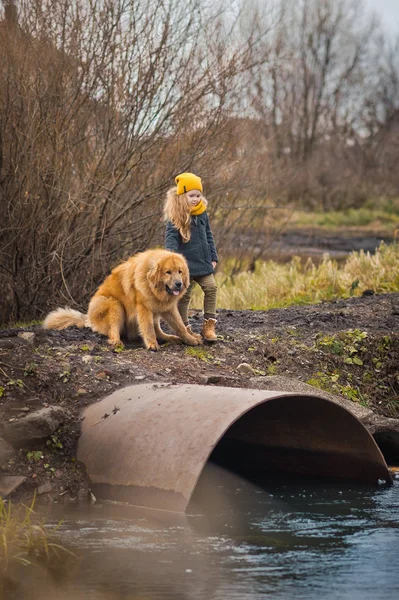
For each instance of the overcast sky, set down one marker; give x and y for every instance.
(388, 12)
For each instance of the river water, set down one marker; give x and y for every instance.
(239, 541)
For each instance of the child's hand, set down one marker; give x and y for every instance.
(214, 263)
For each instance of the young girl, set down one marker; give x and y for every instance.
(188, 232)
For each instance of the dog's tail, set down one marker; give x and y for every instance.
(61, 318)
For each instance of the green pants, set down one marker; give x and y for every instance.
(209, 287)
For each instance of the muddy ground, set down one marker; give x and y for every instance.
(349, 347)
(313, 242)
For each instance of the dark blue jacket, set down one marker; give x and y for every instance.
(200, 251)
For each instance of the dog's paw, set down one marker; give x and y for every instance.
(153, 346)
(194, 340)
(116, 343)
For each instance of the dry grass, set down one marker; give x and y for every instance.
(24, 539)
(302, 282)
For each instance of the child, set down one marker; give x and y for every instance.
(188, 232)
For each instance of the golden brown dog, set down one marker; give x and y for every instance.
(132, 300)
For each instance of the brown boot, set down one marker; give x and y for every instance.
(208, 330)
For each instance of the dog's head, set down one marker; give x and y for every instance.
(170, 275)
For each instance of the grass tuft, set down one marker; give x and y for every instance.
(24, 539)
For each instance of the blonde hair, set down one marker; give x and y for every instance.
(177, 210)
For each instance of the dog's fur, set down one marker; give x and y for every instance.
(132, 300)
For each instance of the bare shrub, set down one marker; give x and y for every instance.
(98, 110)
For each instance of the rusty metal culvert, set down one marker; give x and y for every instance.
(148, 444)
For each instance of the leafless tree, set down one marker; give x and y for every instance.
(312, 91)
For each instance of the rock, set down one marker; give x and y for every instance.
(9, 483)
(6, 451)
(28, 336)
(35, 426)
(87, 358)
(245, 369)
(81, 391)
(46, 488)
(103, 375)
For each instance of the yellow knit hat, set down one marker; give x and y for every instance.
(186, 182)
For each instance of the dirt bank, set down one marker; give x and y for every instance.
(349, 347)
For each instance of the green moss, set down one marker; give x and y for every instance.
(198, 352)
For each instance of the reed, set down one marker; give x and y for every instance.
(24, 538)
(274, 285)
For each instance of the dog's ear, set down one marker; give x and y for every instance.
(186, 275)
(153, 274)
